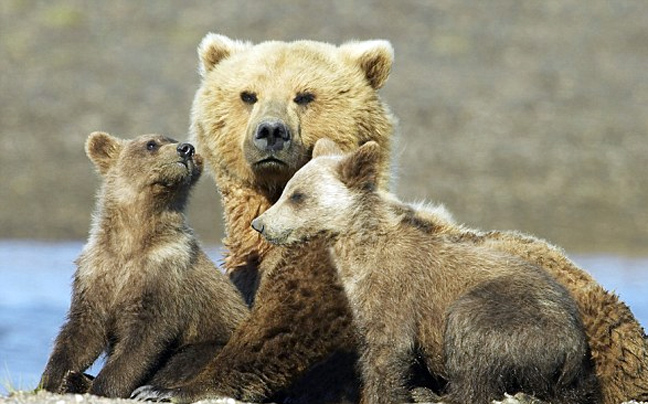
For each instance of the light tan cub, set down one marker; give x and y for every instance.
(488, 322)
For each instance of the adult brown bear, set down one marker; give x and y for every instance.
(256, 116)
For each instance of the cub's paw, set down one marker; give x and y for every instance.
(152, 393)
(76, 383)
(424, 395)
(519, 398)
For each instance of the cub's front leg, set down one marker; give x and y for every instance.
(78, 345)
(134, 356)
(385, 369)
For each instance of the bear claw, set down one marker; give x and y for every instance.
(151, 393)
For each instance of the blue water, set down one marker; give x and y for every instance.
(36, 278)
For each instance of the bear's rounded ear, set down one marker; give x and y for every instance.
(359, 170)
(214, 48)
(326, 147)
(102, 149)
(375, 58)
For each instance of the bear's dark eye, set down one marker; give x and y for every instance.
(248, 97)
(151, 145)
(304, 98)
(297, 197)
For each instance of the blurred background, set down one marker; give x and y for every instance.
(516, 115)
(525, 115)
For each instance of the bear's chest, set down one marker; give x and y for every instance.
(113, 283)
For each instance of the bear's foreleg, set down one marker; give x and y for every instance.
(186, 363)
(80, 342)
(142, 339)
(301, 316)
(384, 374)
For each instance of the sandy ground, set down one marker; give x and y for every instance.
(525, 115)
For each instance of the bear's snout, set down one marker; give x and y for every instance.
(272, 135)
(186, 150)
(257, 224)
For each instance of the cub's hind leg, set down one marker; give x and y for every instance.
(517, 334)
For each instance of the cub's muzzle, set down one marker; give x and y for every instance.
(258, 225)
(186, 150)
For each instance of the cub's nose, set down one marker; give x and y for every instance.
(258, 225)
(272, 135)
(185, 150)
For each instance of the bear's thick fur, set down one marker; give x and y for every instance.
(487, 321)
(617, 341)
(259, 124)
(144, 292)
(297, 93)
(257, 115)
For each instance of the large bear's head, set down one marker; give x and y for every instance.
(261, 108)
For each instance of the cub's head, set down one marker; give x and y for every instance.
(151, 167)
(261, 108)
(324, 196)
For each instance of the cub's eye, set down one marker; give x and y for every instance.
(248, 97)
(297, 197)
(304, 98)
(151, 145)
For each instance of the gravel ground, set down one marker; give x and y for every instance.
(526, 115)
(49, 398)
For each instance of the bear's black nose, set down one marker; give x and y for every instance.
(272, 135)
(186, 150)
(258, 225)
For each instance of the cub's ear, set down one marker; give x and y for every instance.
(102, 149)
(359, 170)
(326, 147)
(375, 58)
(214, 48)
